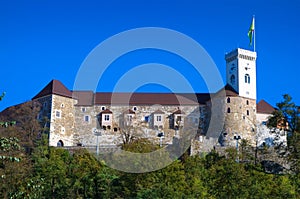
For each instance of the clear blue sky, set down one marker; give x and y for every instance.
(45, 40)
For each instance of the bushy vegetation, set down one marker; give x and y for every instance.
(49, 172)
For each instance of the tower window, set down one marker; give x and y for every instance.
(232, 79)
(247, 78)
(62, 130)
(58, 114)
(102, 108)
(247, 112)
(247, 102)
(228, 110)
(228, 100)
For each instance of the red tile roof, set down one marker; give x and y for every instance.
(229, 91)
(54, 87)
(145, 99)
(88, 98)
(85, 98)
(264, 107)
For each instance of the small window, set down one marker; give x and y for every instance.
(86, 118)
(247, 78)
(108, 127)
(247, 102)
(228, 110)
(62, 129)
(58, 114)
(62, 105)
(115, 129)
(158, 118)
(104, 127)
(178, 118)
(134, 108)
(83, 109)
(106, 117)
(232, 79)
(129, 118)
(102, 108)
(228, 100)
(247, 112)
(45, 104)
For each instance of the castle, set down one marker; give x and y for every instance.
(83, 117)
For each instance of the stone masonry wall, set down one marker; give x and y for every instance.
(84, 131)
(62, 121)
(240, 119)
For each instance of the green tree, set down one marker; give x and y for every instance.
(288, 115)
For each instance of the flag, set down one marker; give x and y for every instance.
(251, 31)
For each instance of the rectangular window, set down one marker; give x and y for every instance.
(158, 118)
(58, 114)
(106, 117)
(129, 118)
(179, 118)
(83, 109)
(86, 118)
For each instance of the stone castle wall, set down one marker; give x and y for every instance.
(84, 131)
(62, 121)
(240, 119)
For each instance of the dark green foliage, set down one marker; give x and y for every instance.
(50, 172)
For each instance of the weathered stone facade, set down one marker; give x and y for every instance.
(87, 118)
(240, 119)
(144, 118)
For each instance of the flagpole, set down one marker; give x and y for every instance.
(254, 33)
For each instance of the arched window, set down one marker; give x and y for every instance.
(228, 100)
(247, 102)
(228, 110)
(247, 78)
(60, 143)
(232, 79)
(247, 112)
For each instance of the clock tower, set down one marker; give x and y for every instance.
(241, 72)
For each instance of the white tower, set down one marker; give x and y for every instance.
(241, 72)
